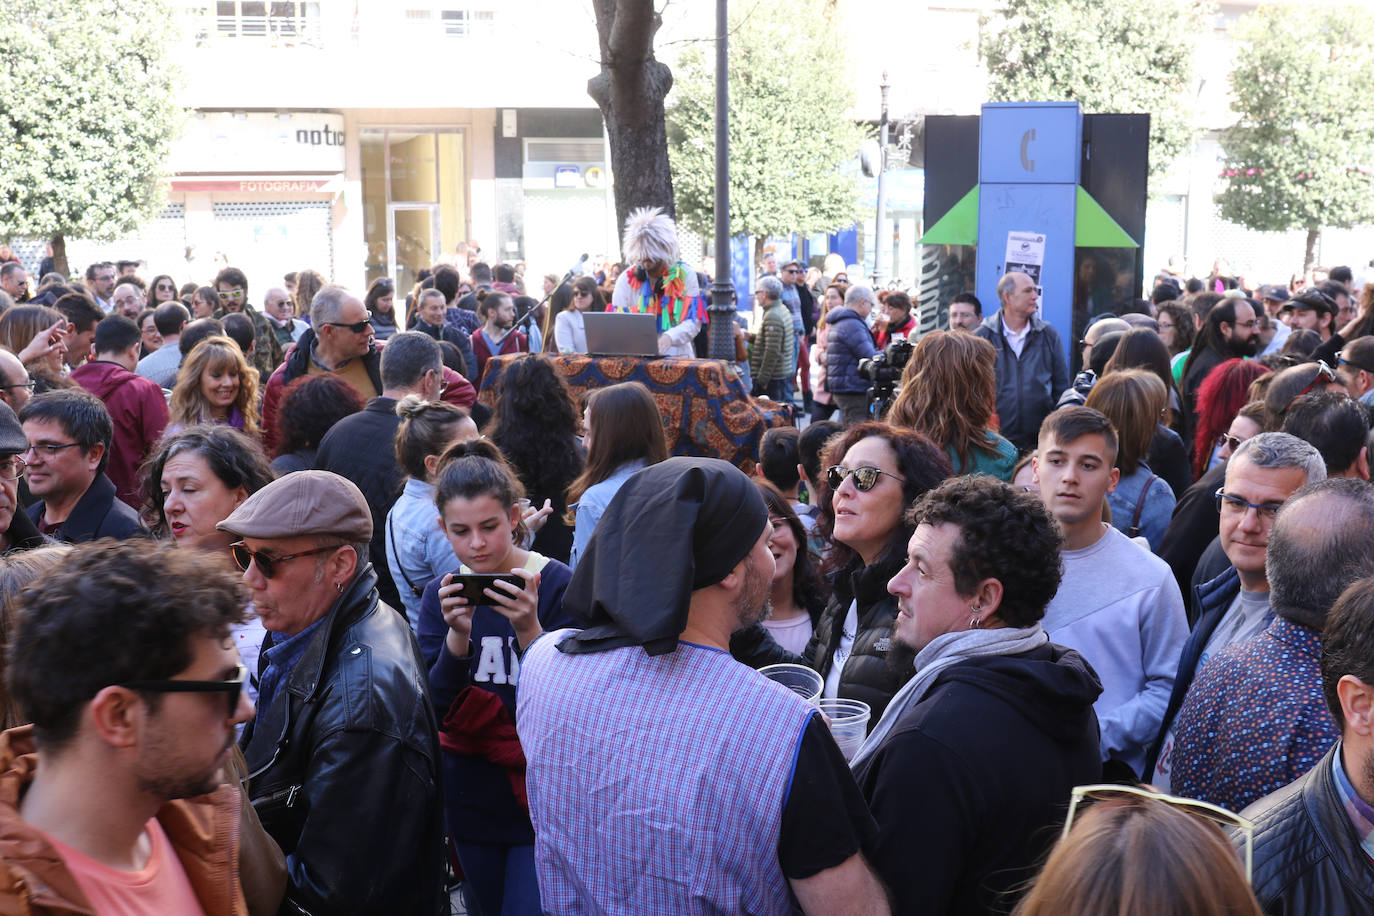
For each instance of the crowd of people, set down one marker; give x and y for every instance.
(295, 623)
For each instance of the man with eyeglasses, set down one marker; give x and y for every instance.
(277, 304)
(344, 751)
(232, 286)
(362, 449)
(16, 388)
(1355, 369)
(1234, 753)
(69, 432)
(339, 340)
(128, 300)
(17, 530)
(1234, 606)
(15, 281)
(114, 798)
(1314, 838)
(1231, 329)
(100, 281)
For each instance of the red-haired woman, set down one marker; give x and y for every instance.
(1220, 397)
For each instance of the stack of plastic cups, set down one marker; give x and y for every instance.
(848, 723)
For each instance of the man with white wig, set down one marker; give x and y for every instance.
(656, 281)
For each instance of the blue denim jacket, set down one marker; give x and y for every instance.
(416, 549)
(594, 502)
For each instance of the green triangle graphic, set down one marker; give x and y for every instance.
(1095, 228)
(957, 227)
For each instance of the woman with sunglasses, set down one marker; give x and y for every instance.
(380, 302)
(1222, 394)
(569, 333)
(1132, 852)
(472, 646)
(162, 289)
(192, 481)
(875, 472)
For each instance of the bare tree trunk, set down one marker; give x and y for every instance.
(59, 255)
(630, 90)
(758, 252)
(1310, 258)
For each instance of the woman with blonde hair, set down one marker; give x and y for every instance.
(1136, 854)
(1142, 503)
(215, 385)
(949, 387)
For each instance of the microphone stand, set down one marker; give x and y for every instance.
(523, 321)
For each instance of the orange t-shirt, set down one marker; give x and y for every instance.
(160, 887)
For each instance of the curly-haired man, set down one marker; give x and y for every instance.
(972, 762)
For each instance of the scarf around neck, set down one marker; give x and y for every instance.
(942, 652)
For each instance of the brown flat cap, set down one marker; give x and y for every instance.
(303, 503)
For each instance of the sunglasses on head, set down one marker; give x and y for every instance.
(1325, 374)
(267, 565)
(1131, 795)
(231, 688)
(865, 478)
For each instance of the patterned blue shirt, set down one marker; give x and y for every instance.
(1360, 812)
(1255, 718)
(280, 658)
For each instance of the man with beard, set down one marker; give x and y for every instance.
(961, 824)
(113, 799)
(1314, 838)
(1231, 330)
(497, 336)
(663, 775)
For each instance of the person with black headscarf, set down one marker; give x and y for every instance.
(662, 774)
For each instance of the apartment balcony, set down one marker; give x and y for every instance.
(387, 54)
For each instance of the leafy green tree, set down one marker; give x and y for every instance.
(1128, 57)
(1301, 152)
(791, 127)
(88, 117)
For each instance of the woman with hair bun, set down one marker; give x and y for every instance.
(471, 645)
(416, 549)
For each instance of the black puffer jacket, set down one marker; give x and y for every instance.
(1307, 856)
(347, 745)
(866, 675)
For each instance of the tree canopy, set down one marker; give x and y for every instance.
(89, 115)
(1111, 57)
(791, 125)
(1301, 154)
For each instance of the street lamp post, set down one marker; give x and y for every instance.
(881, 240)
(722, 310)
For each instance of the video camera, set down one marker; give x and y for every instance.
(883, 371)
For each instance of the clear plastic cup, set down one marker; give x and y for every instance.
(848, 720)
(798, 678)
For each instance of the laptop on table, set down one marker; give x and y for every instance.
(621, 334)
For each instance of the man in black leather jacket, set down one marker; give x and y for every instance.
(1314, 838)
(343, 755)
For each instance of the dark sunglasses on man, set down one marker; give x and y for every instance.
(232, 688)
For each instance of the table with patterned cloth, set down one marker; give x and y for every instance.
(706, 411)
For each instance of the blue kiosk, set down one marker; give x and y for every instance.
(1029, 211)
